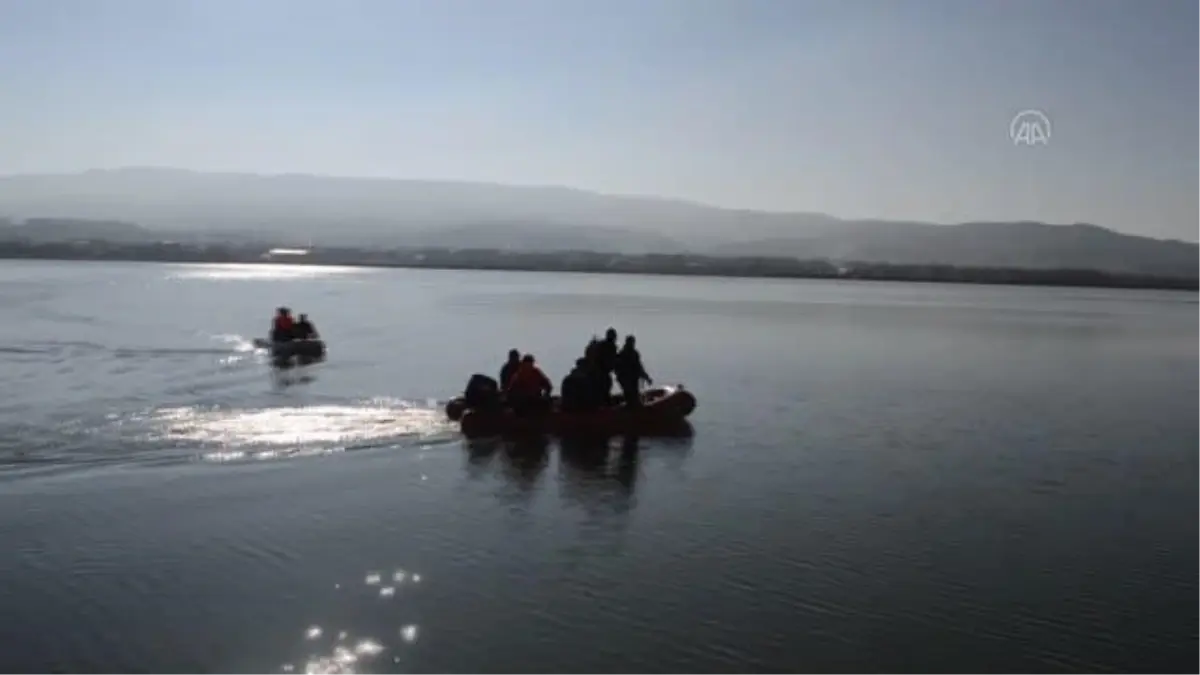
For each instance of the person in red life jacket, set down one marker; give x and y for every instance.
(282, 326)
(529, 389)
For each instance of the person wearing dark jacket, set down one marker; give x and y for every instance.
(602, 358)
(578, 391)
(631, 373)
(304, 330)
(607, 351)
(509, 367)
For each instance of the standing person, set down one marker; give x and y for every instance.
(603, 356)
(631, 373)
(607, 351)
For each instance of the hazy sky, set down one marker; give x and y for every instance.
(888, 108)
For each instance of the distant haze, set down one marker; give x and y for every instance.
(886, 109)
(300, 210)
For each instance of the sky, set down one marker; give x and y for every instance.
(897, 109)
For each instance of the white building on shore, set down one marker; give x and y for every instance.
(285, 254)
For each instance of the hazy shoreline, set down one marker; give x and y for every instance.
(589, 262)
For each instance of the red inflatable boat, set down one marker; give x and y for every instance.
(664, 411)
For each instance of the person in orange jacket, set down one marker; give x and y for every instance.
(528, 390)
(282, 326)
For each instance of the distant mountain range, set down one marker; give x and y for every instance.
(301, 209)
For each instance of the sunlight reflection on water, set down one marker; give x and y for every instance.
(345, 655)
(258, 272)
(276, 432)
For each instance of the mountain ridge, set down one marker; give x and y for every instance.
(308, 208)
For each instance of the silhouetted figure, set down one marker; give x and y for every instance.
(602, 356)
(607, 351)
(631, 373)
(304, 329)
(591, 353)
(282, 327)
(528, 391)
(509, 367)
(578, 389)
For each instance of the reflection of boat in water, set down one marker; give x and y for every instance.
(598, 473)
(293, 352)
(664, 411)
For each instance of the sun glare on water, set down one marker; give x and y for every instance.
(275, 432)
(348, 654)
(243, 271)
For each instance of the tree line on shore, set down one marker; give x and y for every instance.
(585, 261)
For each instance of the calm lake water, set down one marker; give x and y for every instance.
(883, 477)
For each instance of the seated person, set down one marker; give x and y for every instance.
(510, 366)
(578, 389)
(304, 330)
(282, 326)
(528, 391)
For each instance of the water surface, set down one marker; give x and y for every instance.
(883, 477)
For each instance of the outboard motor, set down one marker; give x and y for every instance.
(482, 393)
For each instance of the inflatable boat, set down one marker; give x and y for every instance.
(664, 411)
(295, 352)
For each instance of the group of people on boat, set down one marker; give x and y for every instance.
(525, 389)
(286, 329)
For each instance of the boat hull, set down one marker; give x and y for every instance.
(297, 352)
(664, 412)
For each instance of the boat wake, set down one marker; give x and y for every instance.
(228, 344)
(271, 433)
(218, 433)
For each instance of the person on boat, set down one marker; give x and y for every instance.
(529, 389)
(607, 352)
(282, 327)
(631, 373)
(304, 329)
(602, 355)
(510, 366)
(599, 384)
(578, 389)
